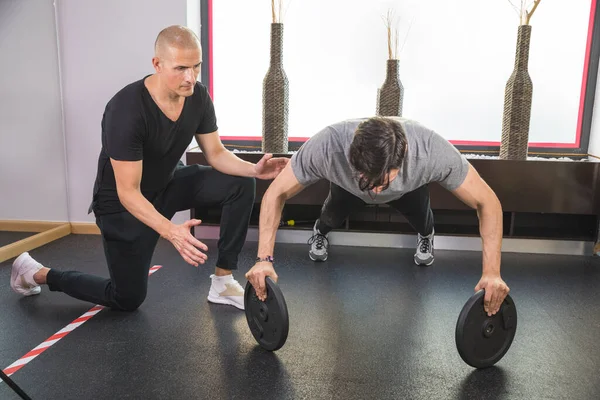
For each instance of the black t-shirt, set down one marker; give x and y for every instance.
(134, 128)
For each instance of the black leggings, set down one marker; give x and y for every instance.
(129, 244)
(415, 206)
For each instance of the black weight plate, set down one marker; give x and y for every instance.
(481, 340)
(268, 321)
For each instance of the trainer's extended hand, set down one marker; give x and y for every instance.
(186, 244)
(269, 167)
(256, 276)
(495, 292)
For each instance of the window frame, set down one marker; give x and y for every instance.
(579, 148)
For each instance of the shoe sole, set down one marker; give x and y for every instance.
(316, 258)
(13, 277)
(33, 291)
(218, 300)
(421, 263)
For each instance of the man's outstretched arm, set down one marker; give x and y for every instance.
(284, 187)
(476, 193)
(228, 163)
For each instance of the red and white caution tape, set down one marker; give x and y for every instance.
(21, 362)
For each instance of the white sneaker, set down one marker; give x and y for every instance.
(21, 277)
(226, 290)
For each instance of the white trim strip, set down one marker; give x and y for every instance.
(396, 240)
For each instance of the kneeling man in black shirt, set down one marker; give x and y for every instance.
(141, 183)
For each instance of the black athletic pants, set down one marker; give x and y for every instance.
(415, 207)
(129, 244)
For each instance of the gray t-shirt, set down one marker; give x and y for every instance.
(430, 158)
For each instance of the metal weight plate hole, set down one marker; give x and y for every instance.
(488, 329)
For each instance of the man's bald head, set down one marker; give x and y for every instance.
(177, 60)
(175, 36)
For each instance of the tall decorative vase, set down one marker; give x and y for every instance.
(275, 98)
(517, 103)
(391, 94)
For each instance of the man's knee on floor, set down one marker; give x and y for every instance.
(129, 302)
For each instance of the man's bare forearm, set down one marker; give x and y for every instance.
(228, 163)
(490, 228)
(270, 216)
(143, 210)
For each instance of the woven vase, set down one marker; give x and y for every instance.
(391, 94)
(275, 98)
(517, 103)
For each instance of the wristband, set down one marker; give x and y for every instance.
(267, 258)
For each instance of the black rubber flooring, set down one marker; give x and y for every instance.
(367, 324)
(11, 237)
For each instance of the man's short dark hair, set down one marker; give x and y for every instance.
(378, 146)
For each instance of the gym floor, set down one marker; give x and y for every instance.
(7, 238)
(367, 323)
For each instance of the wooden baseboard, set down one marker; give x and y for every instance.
(78, 228)
(14, 249)
(82, 228)
(28, 226)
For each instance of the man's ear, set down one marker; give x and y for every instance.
(156, 63)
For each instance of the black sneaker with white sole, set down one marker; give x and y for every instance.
(424, 253)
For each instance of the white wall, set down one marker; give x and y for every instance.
(32, 155)
(193, 17)
(454, 66)
(104, 45)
